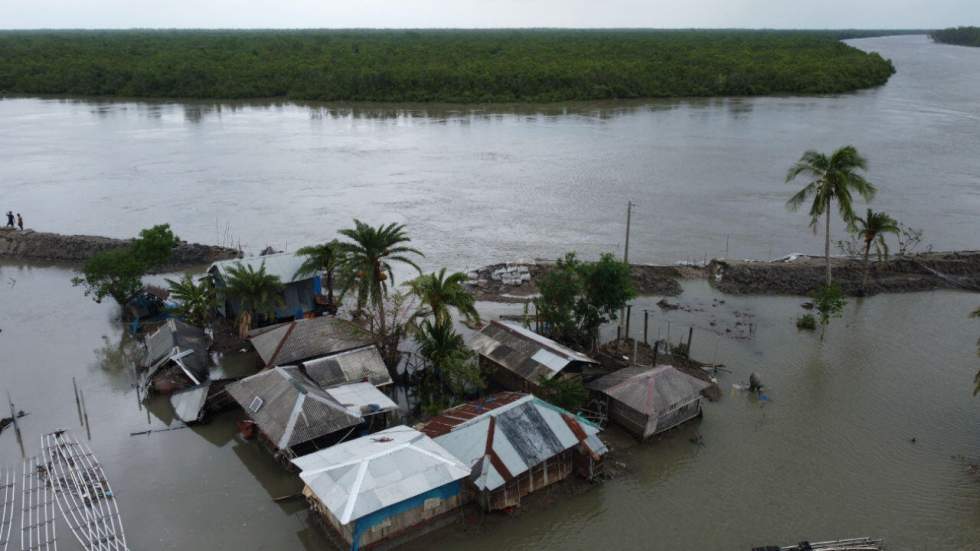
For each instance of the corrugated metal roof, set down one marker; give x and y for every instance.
(524, 352)
(507, 441)
(189, 404)
(305, 339)
(361, 364)
(359, 477)
(181, 343)
(650, 390)
(445, 421)
(282, 265)
(362, 398)
(289, 408)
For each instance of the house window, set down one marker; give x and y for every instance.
(256, 405)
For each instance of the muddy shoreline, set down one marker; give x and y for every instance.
(801, 275)
(76, 249)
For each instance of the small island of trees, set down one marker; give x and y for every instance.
(462, 66)
(959, 36)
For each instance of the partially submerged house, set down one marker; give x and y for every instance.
(515, 444)
(382, 488)
(520, 359)
(650, 400)
(303, 340)
(176, 357)
(351, 366)
(293, 416)
(365, 400)
(299, 292)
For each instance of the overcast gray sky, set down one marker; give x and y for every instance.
(29, 14)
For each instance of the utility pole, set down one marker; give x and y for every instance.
(626, 256)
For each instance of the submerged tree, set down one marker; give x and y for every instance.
(829, 302)
(439, 293)
(258, 293)
(369, 258)
(872, 229)
(578, 297)
(327, 259)
(196, 301)
(118, 273)
(833, 178)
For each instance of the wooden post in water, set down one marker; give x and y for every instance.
(690, 334)
(78, 404)
(646, 326)
(629, 314)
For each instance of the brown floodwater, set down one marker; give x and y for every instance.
(827, 455)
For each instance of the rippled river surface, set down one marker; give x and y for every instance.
(828, 455)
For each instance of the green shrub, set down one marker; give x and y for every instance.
(806, 322)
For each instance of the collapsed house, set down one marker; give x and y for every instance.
(520, 359)
(299, 295)
(515, 444)
(176, 357)
(374, 490)
(293, 416)
(649, 400)
(303, 340)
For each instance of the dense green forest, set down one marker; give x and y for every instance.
(961, 36)
(434, 65)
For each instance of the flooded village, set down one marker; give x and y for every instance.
(695, 323)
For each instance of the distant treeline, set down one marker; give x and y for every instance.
(435, 65)
(961, 36)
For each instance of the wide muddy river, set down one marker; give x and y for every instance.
(829, 454)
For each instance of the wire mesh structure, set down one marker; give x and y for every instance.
(37, 518)
(83, 493)
(8, 494)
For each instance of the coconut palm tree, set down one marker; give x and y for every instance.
(197, 300)
(257, 292)
(369, 257)
(833, 178)
(450, 363)
(439, 292)
(327, 259)
(872, 228)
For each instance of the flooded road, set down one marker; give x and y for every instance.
(829, 455)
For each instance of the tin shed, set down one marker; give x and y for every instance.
(299, 292)
(650, 400)
(520, 359)
(515, 444)
(384, 487)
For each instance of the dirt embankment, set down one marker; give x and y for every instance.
(516, 282)
(921, 272)
(76, 249)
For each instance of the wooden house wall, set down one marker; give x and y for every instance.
(540, 476)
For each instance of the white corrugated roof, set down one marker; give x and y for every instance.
(283, 265)
(359, 477)
(526, 432)
(362, 398)
(554, 346)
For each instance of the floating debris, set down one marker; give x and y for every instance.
(37, 524)
(853, 544)
(84, 496)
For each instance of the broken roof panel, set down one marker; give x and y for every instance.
(650, 390)
(180, 343)
(283, 265)
(189, 404)
(507, 441)
(360, 364)
(305, 339)
(356, 478)
(524, 352)
(362, 399)
(289, 408)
